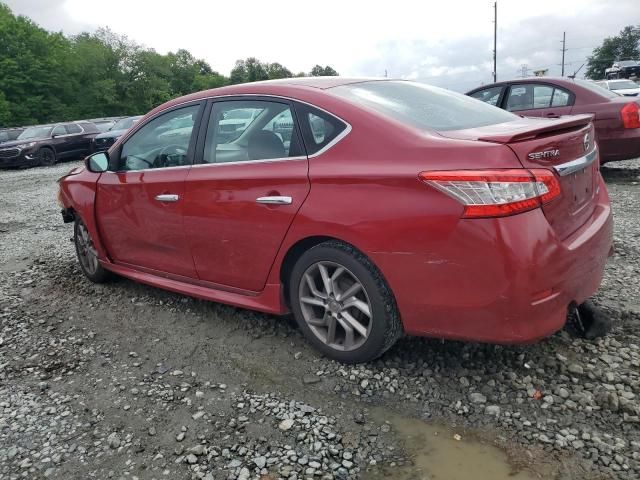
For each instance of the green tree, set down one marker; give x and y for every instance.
(275, 70)
(33, 76)
(624, 46)
(46, 77)
(319, 71)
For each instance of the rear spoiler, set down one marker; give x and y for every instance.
(545, 127)
(521, 129)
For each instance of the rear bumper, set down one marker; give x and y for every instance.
(507, 280)
(619, 144)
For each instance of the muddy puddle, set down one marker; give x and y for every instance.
(441, 453)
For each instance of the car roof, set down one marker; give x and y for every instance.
(295, 88)
(557, 80)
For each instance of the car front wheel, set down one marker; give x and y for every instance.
(87, 254)
(342, 304)
(46, 157)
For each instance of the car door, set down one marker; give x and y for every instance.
(74, 139)
(561, 104)
(59, 139)
(140, 204)
(528, 99)
(241, 198)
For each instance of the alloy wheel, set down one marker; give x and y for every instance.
(335, 306)
(47, 157)
(87, 253)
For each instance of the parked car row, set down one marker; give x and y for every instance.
(616, 117)
(48, 144)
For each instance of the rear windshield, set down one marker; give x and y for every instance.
(594, 87)
(423, 106)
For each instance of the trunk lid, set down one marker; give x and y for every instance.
(552, 144)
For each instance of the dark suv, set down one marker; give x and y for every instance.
(48, 144)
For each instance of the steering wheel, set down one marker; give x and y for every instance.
(166, 157)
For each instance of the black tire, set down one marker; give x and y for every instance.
(92, 270)
(46, 157)
(385, 326)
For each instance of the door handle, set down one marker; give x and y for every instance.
(275, 200)
(168, 197)
(552, 115)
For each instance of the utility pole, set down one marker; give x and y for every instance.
(524, 70)
(495, 40)
(564, 38)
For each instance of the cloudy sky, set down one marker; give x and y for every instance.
(447, 43)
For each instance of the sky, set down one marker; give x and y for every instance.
(445, 42)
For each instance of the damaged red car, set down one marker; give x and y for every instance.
(367, 208)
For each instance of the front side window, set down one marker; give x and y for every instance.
(59, 130)
(489, 95)
(73, 128)
(422, 106)
(246, 130)
(162, 142)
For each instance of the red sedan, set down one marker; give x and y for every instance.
(369, 209)
(616, 118)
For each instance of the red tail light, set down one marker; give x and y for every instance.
(496, 193)
(630, 115)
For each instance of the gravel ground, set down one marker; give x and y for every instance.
(127, 381)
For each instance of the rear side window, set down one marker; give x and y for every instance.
(560, 98)
(319, 128)
(529, 97)
(422, 106)
(250, 130)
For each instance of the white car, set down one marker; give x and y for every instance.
(628, 88)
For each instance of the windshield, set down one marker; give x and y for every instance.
(423, 106)
(623, 84)
(35, 132)
(125, 123)
(596, 88)
(627, 63)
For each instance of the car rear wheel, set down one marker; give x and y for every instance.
(87, 254)
(46, 157)
(342, 304)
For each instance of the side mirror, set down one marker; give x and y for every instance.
(97, 163)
